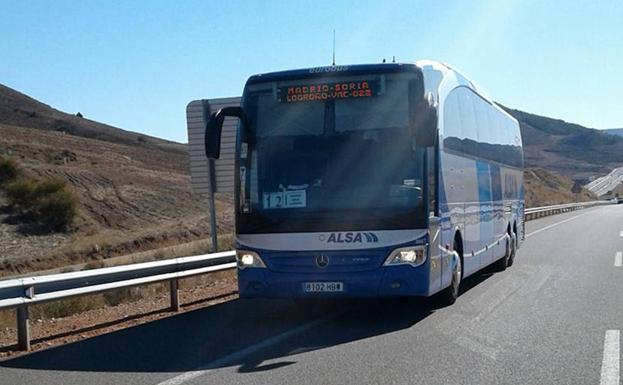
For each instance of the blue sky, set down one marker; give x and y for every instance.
(136, 64)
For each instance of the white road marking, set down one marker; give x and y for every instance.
(618, 259)
(610, 363)
(621, 233)
(223, 361)
(554, 224)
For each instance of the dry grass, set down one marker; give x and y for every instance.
(77, 305)
(7, 318)
(68, 307)
(132, 198)
(548, 188)
(64, 308)
(9, 170)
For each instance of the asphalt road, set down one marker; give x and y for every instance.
(552, 318)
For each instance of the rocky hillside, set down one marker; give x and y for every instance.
(134, 190)
(569, 149)
(544, 188)
(17, 109)
(614, 131)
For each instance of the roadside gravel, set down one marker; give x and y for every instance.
(50, 332)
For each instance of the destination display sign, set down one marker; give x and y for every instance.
(328, 91)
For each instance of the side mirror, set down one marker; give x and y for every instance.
(214, 127)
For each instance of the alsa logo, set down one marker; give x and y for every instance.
(352, 238)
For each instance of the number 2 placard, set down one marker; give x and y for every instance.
(284, 199)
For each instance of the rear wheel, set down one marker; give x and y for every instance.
(504, 262)
(513, 249)
(449, 295)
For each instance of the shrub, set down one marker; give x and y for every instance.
(57, 210)
(21, 194)
(49, 202)
(49, 186)
(9, 170)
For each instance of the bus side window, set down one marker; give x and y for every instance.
(452, 124)
(482, 124)
(468, 122)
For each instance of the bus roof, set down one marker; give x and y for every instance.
(333, 71)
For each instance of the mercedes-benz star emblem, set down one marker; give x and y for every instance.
(322, 260)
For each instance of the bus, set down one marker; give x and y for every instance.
(371, 180)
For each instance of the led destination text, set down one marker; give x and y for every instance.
(313, 92)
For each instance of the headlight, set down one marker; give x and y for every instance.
(248, 259)
(414, 256)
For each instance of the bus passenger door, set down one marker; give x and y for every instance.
(434, 224)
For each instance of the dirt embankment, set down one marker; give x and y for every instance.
(549, 188)
(132, 198)
(568, 149)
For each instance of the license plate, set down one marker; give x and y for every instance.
(323, 287)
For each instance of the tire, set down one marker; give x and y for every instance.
(502, 263)
(513, 250)
(448, 296)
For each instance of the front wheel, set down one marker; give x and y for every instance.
(449, 295)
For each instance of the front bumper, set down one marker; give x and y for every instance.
(386, 281)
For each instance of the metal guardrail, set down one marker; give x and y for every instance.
(538, 212)
(22, 292)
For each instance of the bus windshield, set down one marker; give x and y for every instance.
(331, 154)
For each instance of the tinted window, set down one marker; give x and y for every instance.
(452, 123)
(325, 164)
(468, 121)
(390, 109)
(288, 119)
(479, 129)
(485, 132)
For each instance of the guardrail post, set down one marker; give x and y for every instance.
(23, 328)
(175, 294)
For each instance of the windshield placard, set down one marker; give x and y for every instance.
(328, 91)
(285, 199)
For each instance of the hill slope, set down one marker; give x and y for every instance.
(134, 190)
(570, 149)
(17, 109)
(614, 131)
(548, 188)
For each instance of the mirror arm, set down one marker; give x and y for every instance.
(212, 138)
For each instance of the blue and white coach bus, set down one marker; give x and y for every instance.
(374, 180)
